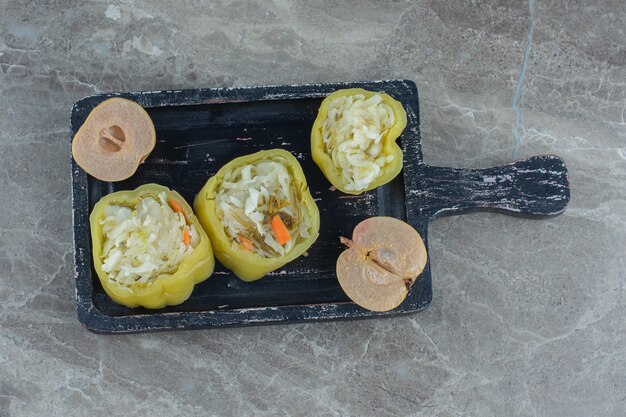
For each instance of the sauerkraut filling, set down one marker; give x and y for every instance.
(352, 134)
(252, 199)
(145, 241)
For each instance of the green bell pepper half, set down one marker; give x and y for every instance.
(166, 289)
(323, 160)
(246, 264)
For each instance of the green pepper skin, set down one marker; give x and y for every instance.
(390, 147)
(249, 266)
(167, 289)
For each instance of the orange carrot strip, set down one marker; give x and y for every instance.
(186, 236)
(246, 243)
(178, 208)
(175, 205)
(280, 230)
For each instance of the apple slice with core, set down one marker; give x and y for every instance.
(381, 262)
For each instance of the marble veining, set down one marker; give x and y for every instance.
(520, 81)
(527, 317)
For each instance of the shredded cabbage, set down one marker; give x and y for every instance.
(250, 196)
(352, 133)
(144, 241)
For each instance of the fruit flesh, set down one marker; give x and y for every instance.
(115, 138)
(383, 259)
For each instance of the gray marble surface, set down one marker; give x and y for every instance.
(528, 318)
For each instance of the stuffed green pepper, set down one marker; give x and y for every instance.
(259, 213)
(353, 139)
(149, 249)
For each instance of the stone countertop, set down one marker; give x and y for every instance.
(528, 317)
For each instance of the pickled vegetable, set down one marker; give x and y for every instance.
(258, 213)
(353, 139)
(148, 247)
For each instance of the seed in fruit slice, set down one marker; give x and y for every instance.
(381, 262)
(116, 137)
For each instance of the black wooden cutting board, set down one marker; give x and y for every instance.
(200, 130)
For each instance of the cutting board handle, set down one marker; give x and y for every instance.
(533, 187)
